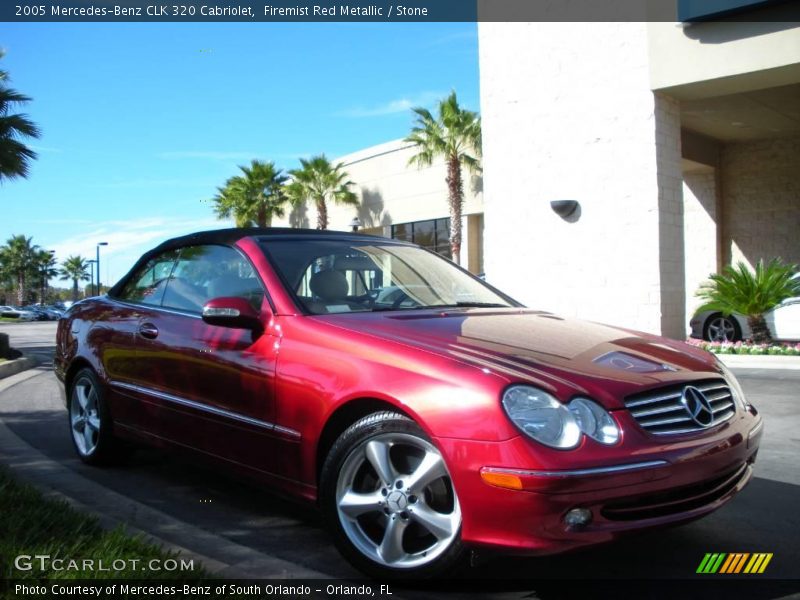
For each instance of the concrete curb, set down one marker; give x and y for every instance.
(12, 367)
(224, 559)
(747, 361)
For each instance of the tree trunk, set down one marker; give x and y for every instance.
(455, 188)
(322, 213)
(759, 329)
(262, 216)
(74, 290)
(20, 288)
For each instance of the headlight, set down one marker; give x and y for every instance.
(594, 421)
(736, 389)
(541, 417)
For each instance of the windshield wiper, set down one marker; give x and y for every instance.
(389, 308)
(470, 305)
(454, 305)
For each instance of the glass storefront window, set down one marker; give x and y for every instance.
(433, 234)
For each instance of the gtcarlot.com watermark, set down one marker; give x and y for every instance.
(46, 562)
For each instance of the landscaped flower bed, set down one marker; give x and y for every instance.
(747, 348)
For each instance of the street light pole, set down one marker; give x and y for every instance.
(98, 265)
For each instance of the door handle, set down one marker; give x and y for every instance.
(148, 330)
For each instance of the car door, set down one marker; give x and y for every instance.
(117, 336)
(213, 385)
(784, 320)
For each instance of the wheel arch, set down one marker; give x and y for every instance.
(345, 415)
(77, 365)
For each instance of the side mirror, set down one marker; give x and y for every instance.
(232, 312)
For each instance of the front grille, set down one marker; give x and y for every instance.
(670, 502)
(661, 411)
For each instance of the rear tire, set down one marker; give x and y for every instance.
(389, 501)
(90, 424)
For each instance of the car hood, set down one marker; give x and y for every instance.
(565, 356)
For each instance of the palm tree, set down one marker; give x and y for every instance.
(77, 269)
(18, 258)
(254, 197)
(14, 155)
(739, 290)
(44, 267)
(454, 136)
(319, 181)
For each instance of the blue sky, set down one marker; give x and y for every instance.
(141, 122)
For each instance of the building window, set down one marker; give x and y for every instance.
(433, 235)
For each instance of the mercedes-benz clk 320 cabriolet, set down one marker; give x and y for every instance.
(425, 411)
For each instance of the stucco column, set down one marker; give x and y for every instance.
(700, 230)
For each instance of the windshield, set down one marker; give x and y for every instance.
(342, 276)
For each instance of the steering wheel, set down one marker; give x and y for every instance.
(401, 297)
(367, 299)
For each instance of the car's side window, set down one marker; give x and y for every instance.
(205, 272)
(147, 285)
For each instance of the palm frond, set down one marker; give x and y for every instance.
(738, 289)
(15, 156)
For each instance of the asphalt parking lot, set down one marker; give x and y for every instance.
(763, 518)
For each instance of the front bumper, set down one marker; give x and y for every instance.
(646, 481)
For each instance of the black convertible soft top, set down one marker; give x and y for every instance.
(234, 234)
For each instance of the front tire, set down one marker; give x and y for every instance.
(719, 328)
(389, 500)
(90, 423)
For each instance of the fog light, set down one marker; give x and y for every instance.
(578, 518)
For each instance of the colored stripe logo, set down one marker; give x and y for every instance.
(734, 563)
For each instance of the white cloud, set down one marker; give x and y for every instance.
(228, 156)
(45, 149)
(160, 183)
(127, 240)
(399, 105)
(206, 154)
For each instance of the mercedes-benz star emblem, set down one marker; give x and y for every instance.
(397, 501)
(698, 406)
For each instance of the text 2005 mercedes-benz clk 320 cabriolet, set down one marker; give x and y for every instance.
(425, 411)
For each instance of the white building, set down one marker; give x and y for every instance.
(681, 145)
(402, 201)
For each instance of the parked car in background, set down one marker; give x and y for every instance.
(783, 322)
(54, 312)
(40, 314)
(11, 312)
(424, 411)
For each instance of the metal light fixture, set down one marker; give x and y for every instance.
(98, 265)
(566, 209)
(355, 223)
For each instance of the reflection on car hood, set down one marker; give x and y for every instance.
(568, 355)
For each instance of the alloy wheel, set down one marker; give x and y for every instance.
(396, 502)
(84, 416)
(721, 329)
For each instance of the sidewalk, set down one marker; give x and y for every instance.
(746, 361)
(221, 556)
(16, 365)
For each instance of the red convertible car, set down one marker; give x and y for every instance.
(425, 411)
